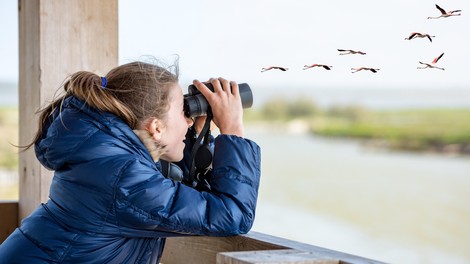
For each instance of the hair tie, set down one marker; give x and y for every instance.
(104, 82)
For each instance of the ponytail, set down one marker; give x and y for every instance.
(89, 87)
(133, 92)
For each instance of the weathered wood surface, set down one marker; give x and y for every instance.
(284, 256)
(56, 39)
(203, 250)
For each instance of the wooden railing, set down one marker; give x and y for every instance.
(253, 247)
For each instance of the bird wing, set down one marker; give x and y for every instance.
(412, 35)
(342, 50)
(429, 37)
(440, 9)
(373, 70)
(455, 11)
(437, 59)
(326, 67)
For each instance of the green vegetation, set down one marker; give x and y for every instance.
(436, 130)
(279, 108)
(440, 130)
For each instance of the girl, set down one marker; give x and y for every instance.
(109, 201)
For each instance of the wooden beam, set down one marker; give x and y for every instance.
(56, 39)
(202, 249)
(9, 218)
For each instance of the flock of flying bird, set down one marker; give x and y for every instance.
(413, 35)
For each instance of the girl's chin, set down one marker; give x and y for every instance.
(174, 158)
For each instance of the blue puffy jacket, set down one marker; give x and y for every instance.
(110, 203)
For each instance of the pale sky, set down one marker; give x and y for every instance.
(235, 39)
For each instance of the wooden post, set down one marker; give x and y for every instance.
(56, 39)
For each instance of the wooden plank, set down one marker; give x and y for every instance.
(285, 256)
(9, 218)
(203, 250)
(318, 251)
(56, 39)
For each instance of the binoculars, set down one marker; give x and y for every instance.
(195, 104)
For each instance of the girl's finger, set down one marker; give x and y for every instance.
(202, 88)
(216, 84)
(225, 85)
(235, 88)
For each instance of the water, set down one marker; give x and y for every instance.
(395, 207)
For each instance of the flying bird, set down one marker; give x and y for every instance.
(274, 68)
(446, 13)
(327, 67)
(414, 35)
(346, 52)
(374, 70)
(432, 64)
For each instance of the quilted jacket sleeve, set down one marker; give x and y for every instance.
(163, 205)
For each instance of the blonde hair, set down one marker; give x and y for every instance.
(134, 92)
(155, 149)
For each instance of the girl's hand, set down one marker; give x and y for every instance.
(225, 103)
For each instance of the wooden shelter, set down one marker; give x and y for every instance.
(57, 38)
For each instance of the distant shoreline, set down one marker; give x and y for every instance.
(298, 126)
(373, 98)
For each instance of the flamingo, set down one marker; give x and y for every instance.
(274, 68)
(346, 52)
(432, 64)
(445, 13)
(419, 35)
(317, 65)
(374, 70)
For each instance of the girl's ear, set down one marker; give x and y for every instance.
(155, 128)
